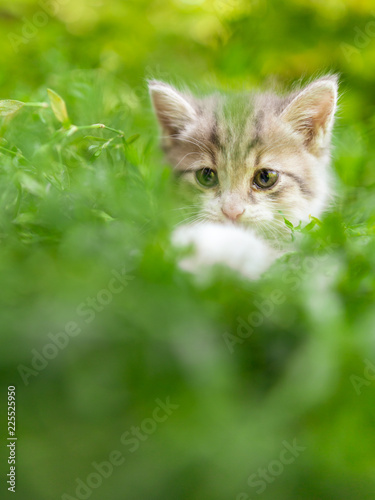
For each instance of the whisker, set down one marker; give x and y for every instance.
(187, 154)
(202, 147)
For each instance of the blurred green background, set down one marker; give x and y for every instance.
(78, 207)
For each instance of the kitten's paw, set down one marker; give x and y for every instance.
(220, 244)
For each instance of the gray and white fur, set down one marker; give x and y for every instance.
(236, 138)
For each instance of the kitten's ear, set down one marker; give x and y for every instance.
(173, 110)
(311, 112)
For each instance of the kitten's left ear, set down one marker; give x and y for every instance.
(173, 110)
(311, 112)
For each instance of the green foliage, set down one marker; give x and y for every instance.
(86, 199)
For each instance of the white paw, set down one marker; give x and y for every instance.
(220, 244)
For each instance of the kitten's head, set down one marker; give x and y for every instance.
(255, 157)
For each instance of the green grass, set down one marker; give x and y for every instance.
(249, 364)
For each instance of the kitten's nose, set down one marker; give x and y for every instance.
(233, 212)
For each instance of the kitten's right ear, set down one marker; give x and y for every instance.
(311, 112)
(172, 109)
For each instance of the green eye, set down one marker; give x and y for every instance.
(207, 177)
(265, 178)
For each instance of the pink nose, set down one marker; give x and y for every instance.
(232, 212)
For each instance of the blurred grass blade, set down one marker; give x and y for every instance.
(132, 139)
(100, 214)
(288, 224)
(59, 107)
(9, 106)
(30, 184)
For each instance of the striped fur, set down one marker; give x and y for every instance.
(237, 135)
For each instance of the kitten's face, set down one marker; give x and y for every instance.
(255, 158)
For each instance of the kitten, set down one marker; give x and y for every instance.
(256, 158)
